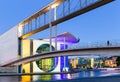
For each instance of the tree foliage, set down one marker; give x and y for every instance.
(118, 61)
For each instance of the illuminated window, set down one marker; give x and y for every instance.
(47, 64)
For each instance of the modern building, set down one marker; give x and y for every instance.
(111, 62)
(13, 49)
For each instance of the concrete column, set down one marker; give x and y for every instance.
(31, 53)
(55, 18)
(50, 26)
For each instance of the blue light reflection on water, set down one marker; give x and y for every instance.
(38, 78)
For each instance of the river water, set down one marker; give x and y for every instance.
(39, 78)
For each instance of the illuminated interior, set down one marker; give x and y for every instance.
(56, 64)
(47, 64)
(25, 53)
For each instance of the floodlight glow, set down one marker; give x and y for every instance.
(56, 3)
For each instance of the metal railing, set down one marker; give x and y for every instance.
(64, 9)
(113, 43)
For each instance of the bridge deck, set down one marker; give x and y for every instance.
(104, 51)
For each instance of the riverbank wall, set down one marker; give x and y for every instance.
(8, 69)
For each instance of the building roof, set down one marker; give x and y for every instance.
(65, 37)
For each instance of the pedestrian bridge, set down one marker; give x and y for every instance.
(104, 50)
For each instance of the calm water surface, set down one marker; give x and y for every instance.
(38, 78)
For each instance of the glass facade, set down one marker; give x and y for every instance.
(47, 64)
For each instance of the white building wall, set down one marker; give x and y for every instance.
(9, 45)
(36, 44)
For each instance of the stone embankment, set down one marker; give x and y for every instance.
(8, 69)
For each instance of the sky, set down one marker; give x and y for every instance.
(98, 25)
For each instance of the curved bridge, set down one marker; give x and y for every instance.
(104, 51)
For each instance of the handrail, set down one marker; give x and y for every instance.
(95, 44)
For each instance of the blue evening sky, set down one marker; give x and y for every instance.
(101, 24)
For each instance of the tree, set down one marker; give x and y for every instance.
(118, 61)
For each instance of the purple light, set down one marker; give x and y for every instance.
(69, 38)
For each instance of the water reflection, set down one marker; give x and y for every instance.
(10, 79)
(39, 78)
(26, 78)
(91, 73)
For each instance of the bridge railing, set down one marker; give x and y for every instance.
(70, 6)
(95, 44)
